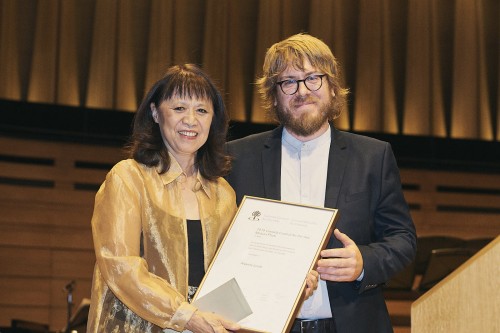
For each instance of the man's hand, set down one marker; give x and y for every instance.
(312, 284)
(342, 264)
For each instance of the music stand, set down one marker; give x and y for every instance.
(24, 326)
(78, 321)
(425, 245)
(441, 263)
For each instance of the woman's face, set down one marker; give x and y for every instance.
(184, 124)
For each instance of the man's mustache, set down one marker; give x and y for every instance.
(299, 100)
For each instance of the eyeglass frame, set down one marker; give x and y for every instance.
(280, 83)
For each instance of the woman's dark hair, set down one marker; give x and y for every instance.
(146, 144)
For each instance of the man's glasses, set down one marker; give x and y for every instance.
(291, 86)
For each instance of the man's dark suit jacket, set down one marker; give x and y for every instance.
(363, 183)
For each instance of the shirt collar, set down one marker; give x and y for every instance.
(293, 142)
(175, 171)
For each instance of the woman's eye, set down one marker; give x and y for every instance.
(179, 108)
(202, 111)
(290, 82)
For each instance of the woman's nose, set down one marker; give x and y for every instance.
(189, 118)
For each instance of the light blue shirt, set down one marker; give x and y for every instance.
(304, 168)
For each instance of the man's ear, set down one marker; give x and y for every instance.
(154, 112)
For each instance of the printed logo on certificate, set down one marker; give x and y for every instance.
(258, 275)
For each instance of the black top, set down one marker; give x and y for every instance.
(195, 251)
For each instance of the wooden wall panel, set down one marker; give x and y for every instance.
(48, 215)
(37, 314)
(36, 236)
(21, 291)
(73, 264)
(25, 262)
(46, 239)
(461, 204)
(19, 236)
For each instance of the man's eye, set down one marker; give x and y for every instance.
(289, 83)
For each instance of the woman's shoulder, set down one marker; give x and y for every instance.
(222, 186)
(128, 168)
(125, 166)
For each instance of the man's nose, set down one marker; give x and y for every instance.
(302, 89)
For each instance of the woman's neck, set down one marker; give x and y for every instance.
(187, 164)
(189, 171)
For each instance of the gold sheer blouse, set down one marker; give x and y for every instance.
(139, 229)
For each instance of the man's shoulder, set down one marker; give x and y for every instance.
(253, 140)
(359, 139)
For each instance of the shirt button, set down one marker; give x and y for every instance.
(197, 186)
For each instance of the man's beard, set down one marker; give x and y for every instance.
(304, 125)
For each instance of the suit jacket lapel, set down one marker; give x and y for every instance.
(271, 164)
(337, 161)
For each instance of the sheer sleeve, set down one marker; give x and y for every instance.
(116, 229)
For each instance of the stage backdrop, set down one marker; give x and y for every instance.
(414, 67)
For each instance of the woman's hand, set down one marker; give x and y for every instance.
(311, 283)
(206, 322)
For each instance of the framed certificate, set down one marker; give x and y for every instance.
(258, 275)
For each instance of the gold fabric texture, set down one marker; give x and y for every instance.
(139, 229)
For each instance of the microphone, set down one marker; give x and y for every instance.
(70, 286)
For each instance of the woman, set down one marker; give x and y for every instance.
(159, 216)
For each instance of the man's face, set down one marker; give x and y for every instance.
(306, 112)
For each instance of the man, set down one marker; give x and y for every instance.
(306, 160)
